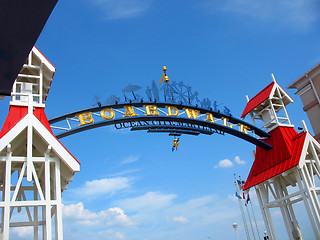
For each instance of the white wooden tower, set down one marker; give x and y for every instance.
(269, 106)
(34, 166)
(288, 173)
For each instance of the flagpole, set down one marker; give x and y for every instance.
(254, 216)
(254, 236)
(242, 212)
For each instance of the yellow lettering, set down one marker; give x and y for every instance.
(170, 113)
(151, 110)
(129, 112)
(210, 118)
(191, 113)
(225, 122)
(104, 116)
(243, 128)
(85, 118)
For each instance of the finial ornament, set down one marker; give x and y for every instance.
(164, 76)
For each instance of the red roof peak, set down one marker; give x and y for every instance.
(285, 154)
(263, 95)
(17, 113)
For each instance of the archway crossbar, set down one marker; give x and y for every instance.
(158, 117)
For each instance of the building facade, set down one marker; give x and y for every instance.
(308, 86)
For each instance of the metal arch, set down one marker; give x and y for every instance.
(193, 125)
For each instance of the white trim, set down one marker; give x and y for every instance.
(31, 120)
(43, 59)
(55, 144)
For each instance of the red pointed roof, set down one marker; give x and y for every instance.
(17, 113)
(258, 99)
(285, 154)
(40, 114)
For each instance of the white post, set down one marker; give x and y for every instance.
(35, 214)
(242, 213)
(314, 202)
(41, 84)
(264, 216)
(235, 229)
(59, 230)
(264, 199)
(274, 112)
(29, 152)
(294, 219)
(254, 236)
(47, 195)
(284, 210)
(7, 185)
(255, 221)
(306, 203)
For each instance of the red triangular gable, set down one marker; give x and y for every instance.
(258, 99)
(285, 154)
(16, 113)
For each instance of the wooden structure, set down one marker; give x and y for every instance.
(290, 171)
(34, 166)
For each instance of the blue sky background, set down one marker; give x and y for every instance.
(131, 186)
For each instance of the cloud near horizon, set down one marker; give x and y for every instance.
(105, 186)
(111, 217)
(150, 201)
(227, 163)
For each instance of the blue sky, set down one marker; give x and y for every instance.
(131, 186)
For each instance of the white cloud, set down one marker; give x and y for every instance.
(163, 221)
(23, 232)
(180, 219)
(111, 217)
(105, 186)
(119, 9)
(225, 163)
(239, 161)
(295, 14)
(148, 202)
(125, 172)
(205, 210)
(109, 234)
(130, 159)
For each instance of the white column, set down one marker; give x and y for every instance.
(47, 196)
(314, 203)
(59, 229)
(306, 203)
(35, 214)
(264, 216)
(29, 151)
(6, 209)
(264, 200)
(293, 216)
(284, 210)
